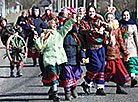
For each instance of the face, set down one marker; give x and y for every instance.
(30, 12)
(92, 12)
(126, 16)
(82, 12)
(48, 12)
(110, 18)
(3, 23)
(53, 25)
(24, 14)
(65, 13)
(36, 12)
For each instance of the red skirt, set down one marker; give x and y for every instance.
(115, 71)
(33, 52)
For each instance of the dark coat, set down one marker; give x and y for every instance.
(70, 47)
(9, 30)
(20, 21)
(38, 23)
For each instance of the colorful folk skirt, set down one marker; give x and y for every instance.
(132, 65)
(51, 75)
(70, 75)
(115, 71)
(95, 67)
(33, 52)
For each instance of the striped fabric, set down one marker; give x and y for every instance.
(95, 69)
(115, 71)
(91, 23)
(124, 31)
(132, 65)
(51, 75)
(98, 76)
(70, 75)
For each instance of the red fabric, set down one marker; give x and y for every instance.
(115, 71)
(0, 28)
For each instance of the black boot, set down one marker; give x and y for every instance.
(50, 94)
(133, 82)
(12, 74)
(55, 97)
(41, 65)
(119, 90)
(67, 93)
(74, 92)
(100, 91)
(19, 74)
(86, 88)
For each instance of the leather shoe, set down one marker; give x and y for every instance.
(86, 88)
(100, 92)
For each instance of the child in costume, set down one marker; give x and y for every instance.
(115, 70)
(81, 13)
(8, 30)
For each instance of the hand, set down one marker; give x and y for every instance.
(16, 34)
(35, 36)
(74, 17)
(85, 60)
(127, 58)
(32, 27)
(23, 22)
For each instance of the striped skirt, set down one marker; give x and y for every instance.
(115, 71)
(132, 65)
(70, 75)
(51, 75)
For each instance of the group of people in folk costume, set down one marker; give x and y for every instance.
(108, 48)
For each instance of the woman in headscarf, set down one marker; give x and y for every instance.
(35, 24)
(94, 36)
(130, 39)
(47, 16)
(62, 16)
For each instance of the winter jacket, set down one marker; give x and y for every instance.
(132, 40)
(114, 52)
(54, 52)
(70, 46)
(38, 23)
(9, 30)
